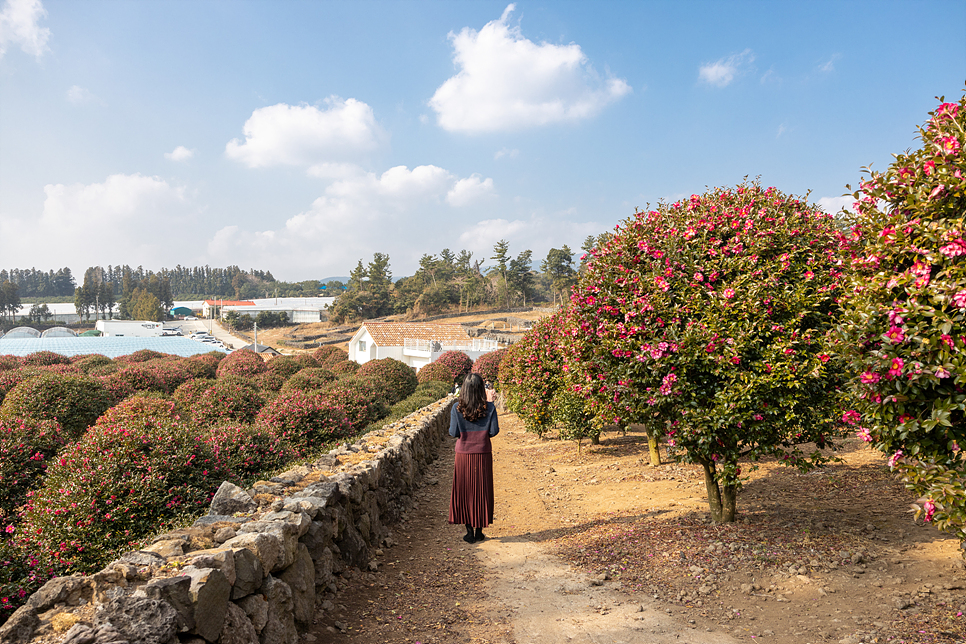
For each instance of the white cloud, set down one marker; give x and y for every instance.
(833, 205)
(19, 26)
(304, 135)
(180, 153)
(468, 190)
(78, 95)
(506, 152)
(539, 234)
(829, 66)
(722, 72)
(125, 219)
(781, 130)
(507, 82)
(358, 214)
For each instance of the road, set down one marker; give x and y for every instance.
(190, 326)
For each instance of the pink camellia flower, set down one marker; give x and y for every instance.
(929, 167)
(698, 277)
(661, 283)
(888, 234)
(870, 378)
(758, 417)
(895, 335)
(959, 299)
(954, 249)
(896, 370)
(667, 383)
(851, 417)
(949, 144)
(11, 529)
(948, 340)
(941, 373)
(935, 191)
(824, 357)
(947, 111)
(895, 458)
(728, 293)
(863, 433)
(895, 316)
(930, 509)
(735, 360)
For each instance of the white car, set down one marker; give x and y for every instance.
(190, 317)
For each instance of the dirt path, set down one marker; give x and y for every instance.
(603, 548)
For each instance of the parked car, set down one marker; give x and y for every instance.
(190, 317)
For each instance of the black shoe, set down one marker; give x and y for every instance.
(468, 537)
(479, 536)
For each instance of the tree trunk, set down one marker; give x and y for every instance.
(654, 447)
(723, 500)
(729, 502)
(595, 439)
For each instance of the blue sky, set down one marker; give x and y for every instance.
(299, 137)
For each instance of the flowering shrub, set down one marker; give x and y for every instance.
(188, 393)
(375, 387)
(8, 362)
(270, 381)
(531, 372)
(163, 376)
(227, 400)
(399, 378)
(91, 362)
(308, 379)
(73, 401)
(434, 372)
(137, 470)
(434, 389)
(357, 399)
(904, 334)
(458, 363)
(244, 451)
(198, 367)
(26, 447)
(343, 368)
(572, 415)
(285, 366)
(141, 355)
(241, 363)
(306, 360)
(710, 319)
(488, 366)
(210, 360)
(45, 359)
(329, 354)
(305, 419)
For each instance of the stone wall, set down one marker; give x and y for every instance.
(256, 568)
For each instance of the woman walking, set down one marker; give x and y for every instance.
(473, 423)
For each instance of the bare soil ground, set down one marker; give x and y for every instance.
(603, 547)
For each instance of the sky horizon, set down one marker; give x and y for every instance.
(301, 137)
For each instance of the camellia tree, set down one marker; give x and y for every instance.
(710, 318)
(905, 329)
(531, 372)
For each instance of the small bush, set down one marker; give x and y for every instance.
(270, 381)
(152, 376)
(227, 401)
(210, 360)
(329, 355)
(284, 366)
(305, 420)
(435, 372)
(400, 377)
(26, 447)
(141, 355)
(309, 379)
(198, 368)
(434, 388)
(104, 369)
(245, 451)
(241, 363)
(73, 401)
(344, 368)
(488, 366)
(375, 387)
(45, 359)
(137, 471)
(62, 369)
(357, 399)
(458, 363)
(88, 363)
(188, 393)
(8, 363)
(306, 360)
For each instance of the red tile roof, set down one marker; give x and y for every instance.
(392, 334)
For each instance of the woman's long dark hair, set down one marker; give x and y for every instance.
(472, 402)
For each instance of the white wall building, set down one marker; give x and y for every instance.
(129, 328)
(414, 343)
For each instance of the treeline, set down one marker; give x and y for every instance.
(33, 283)
(456, 281)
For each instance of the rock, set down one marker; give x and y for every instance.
(858, 558)
(746, 589)
(209, 593)
(106, 634)
(138, 619)
(167, 548)
(61, 590)
(256, 608)
(248, 573)
(280, 627)
(277, 505)
(705, 590)
(79, 634)
(300, 577)
(268, 548)
(175, 591)
(21, 625)
(238, 628)
(221, 558)
(142, 559)
(211, 519)
(230, 499)
(224, 534)
(902, 603)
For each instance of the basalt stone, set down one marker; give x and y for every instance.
(143, 558)
(323, 568)
(210, 519)
(61, 590)
(256, 608)
(280, 626)
(267, 547)
(300, 577)
(286, 533)
(79, 634)
(230, 499)
(174, 591)
(21, 625)
(238, 628)
(209, 593)
(326, 490)
(167, 548)
(354, 549)
(221, 558)
(248, 573)
(139, 619)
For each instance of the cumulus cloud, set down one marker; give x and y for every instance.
(834, 205)
(507, 82)
(180, 153)
(20, 26)
(358, 214)
(125, 219)
(722, 72)
(305, 135)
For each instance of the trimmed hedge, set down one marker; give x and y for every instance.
(8, 363)
(245, 451)
(26, 447)
(357, 399)
(488, 366)
(309, 379)
(142, 355)
(45, 359)
(241, 363)
(457, 362)
(73, 401)
(329, 355)
(226, 401)
(188, 393)
(270, 381)
(435, 372)
(398, 376)
(91, 362)
(305, 419)
(344, 368)
(285, 366)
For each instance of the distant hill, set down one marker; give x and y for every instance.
(344, 279)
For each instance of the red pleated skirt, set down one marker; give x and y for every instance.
(471, 501)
